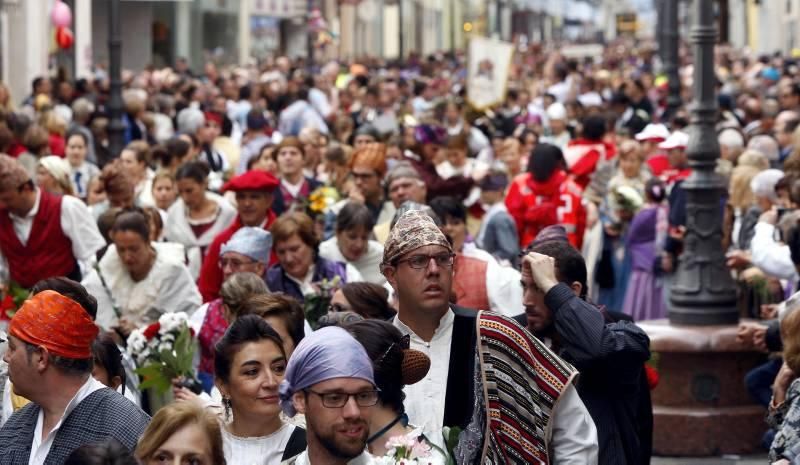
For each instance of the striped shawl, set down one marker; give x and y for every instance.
(522, 381)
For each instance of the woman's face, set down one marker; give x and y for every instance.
(353, 243)
(339, 302)
(394, 152)
(164, 193)
(530, 143)
(266, 163)
(510, 156)
(457, 230)
(295, 256)
(257, 370)
(46, 181)
(457, 157)
(280, 327)
(192, 192)
(76, 150)
(290, 161)
(131, 164)
(452, 115)
(188, 446)
(362, 140)
(133, 251)
(630, 164)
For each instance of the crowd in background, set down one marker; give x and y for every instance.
(268, 202)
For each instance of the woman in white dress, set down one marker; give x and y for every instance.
(137, 280)
(249, 365)
(394, 366)
(198, 216)
(352, 244)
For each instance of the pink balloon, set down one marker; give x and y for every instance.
(61, 15)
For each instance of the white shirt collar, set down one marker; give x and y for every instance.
(444, 323)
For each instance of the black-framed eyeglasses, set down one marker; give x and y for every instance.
(419, 262)
(340, 399)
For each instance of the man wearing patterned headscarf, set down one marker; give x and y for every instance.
(513, 366)
(329, 378)
(50, 362)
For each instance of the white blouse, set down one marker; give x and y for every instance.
(265, 450)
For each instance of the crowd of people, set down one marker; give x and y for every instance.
(375, 271)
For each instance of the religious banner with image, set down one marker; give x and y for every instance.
(488, 70)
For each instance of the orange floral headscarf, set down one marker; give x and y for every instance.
(57, 323)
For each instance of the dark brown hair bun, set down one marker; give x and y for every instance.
(415, 366)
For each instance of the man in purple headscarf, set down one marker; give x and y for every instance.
(329, 379)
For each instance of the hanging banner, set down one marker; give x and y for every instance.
(488, 70)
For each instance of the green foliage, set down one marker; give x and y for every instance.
(169, 364)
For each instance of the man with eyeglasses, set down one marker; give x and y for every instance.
(404, 184)
(246, 252)
(254, 194)
(42, 235)
(473, 353)
(367, 168)
(330, 380)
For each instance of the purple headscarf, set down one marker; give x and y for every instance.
(328, 353)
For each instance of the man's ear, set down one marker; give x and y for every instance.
(261, 269)
(577, 288)
(389, 274)
(299, 402)
(41, 359)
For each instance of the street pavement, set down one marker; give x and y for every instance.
(760, 459)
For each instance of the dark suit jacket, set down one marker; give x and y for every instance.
(103, 415)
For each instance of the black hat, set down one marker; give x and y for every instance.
(256, 121)
(494, 182)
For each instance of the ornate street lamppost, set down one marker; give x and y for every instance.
(703, 292)
(669, 54)
(116, 128)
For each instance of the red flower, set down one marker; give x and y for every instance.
(652, 376)
(152, 330)
(7, 308)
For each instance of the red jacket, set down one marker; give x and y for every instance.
(210, 279)
(535, 205)
(582, 155)
(658, 163)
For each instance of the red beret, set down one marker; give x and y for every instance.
(253, 180)
(213, 116)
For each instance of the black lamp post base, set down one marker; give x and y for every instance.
(681, 315)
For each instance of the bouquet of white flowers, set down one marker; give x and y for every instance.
(163, 351)
(408, 450)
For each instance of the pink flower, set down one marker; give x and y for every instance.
(420, 449)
